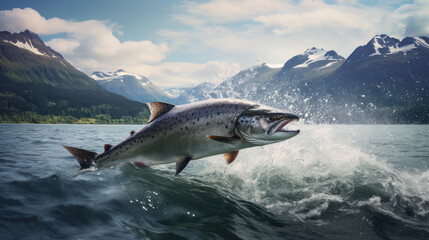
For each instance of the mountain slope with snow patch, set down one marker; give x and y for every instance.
(130, 85)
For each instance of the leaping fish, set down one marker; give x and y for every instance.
(193, 131)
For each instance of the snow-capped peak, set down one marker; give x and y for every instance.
(385, 45)
(274, 65)
(29, 41)
(120, 76)
(315, 51)
(28, 45)
(315, 55)
(419, 41)
(115, 75)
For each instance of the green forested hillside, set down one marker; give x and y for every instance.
(47, 89)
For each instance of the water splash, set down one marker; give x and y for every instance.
(325, 169)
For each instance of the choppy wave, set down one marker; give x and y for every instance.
(326, 171)
(335, 182)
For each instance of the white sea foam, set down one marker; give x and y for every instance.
(304, 175)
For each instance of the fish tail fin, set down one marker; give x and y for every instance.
(84, 157)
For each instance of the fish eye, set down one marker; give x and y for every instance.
(273, 118)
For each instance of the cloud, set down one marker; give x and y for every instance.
(226, 11)
(17, 20)
(253, 31)
(169, 74)
(321, 18)
(89, 44)
(224, 34)
(415, 18)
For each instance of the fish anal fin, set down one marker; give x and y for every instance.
(84, 157)
(230, 140)
(182, 163)
(107, 147)
(158, 109)
(230, 157)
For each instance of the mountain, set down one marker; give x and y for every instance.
(275, 85)
(384, 46)
(29, 41)
(131, 86)
(246, 83)
(312, 63)
(175, 92)
(38, 84)
(384, 81)
(195, 94)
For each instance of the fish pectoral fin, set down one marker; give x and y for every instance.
(139, 165)
(230, 140)
(230, 157)
(182, 163)
(107, 147)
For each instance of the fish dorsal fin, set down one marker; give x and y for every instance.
(107, 147)
(158, 109)
(132, 133)
(230, 157)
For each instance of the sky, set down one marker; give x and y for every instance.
(184, 43)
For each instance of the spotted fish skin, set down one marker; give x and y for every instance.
(190, 131)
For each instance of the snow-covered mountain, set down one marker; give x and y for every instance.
(246, 83)
(130, 85)
(386, 80)
(265, 82)
(240, 85)
(314, 58)
(38, 83)
(30, 42)
(175, 92)
(314, 62)
(383, 46)
(195, 94)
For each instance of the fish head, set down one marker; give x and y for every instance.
(262, 125)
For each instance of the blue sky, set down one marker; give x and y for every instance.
(183, 43)
(129, 15)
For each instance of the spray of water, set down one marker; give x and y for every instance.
(325, 167)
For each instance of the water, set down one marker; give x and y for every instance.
(329, 182)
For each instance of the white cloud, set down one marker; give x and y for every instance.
(325, 18)
(227, 11)
(225, 33)
(89, 44)
(252, 31)
(415, 18)
(173, 74)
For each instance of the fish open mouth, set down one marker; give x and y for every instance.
(281, 127)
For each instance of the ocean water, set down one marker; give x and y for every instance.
(329, 182)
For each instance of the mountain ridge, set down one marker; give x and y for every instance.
(38, 85)
(130, 85)
(384, 81)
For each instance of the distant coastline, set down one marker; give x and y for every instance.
(31, 117)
